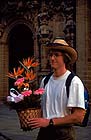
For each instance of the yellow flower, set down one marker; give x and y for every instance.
(30, 62)
(25, 75)
(16, 73)
(30, 75)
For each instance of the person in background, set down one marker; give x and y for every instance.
(60, 113)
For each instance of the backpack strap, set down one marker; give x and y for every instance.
(68, 82)
(47, 78)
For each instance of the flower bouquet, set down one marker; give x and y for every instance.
(25, 97)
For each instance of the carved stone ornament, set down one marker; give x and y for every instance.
(19, 8)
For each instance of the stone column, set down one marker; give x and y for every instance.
(3, 70)
(83, 41)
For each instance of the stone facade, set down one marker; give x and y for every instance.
(83, 41)
(43, 21)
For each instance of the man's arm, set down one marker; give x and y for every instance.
(76, 117)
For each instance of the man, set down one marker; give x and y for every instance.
(60, 112)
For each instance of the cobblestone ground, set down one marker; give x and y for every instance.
(10, 127)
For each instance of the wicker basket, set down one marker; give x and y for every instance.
(24, 116)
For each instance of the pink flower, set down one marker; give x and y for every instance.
(27, 93)
(39, 91)
(19, 81)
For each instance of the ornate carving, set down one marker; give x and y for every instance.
(45, 34)
(44, 31)
(54, 6)
(19, 8)
(70, 22)
(40, 12)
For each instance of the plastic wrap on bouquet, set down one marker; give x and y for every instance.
(25, 115)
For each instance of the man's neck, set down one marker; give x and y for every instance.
(58, 73)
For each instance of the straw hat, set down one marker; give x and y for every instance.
(62, 45)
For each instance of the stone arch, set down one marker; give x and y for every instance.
(13, 24)
(5, 65)
(20, 44)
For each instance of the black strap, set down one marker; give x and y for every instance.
(68, 82)
(47, 78)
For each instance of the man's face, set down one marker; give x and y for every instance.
(56, 59)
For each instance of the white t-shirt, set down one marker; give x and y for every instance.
(55, 102)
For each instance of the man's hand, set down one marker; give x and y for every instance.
(38, 122)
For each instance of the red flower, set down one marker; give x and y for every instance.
(19, 81)
(39, 91)
(27, 93)
(16, 72)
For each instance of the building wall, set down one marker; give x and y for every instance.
(83, 41)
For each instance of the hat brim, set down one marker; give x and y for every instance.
(67, 49)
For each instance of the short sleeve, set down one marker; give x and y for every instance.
(76, 93)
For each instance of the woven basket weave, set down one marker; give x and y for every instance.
(24, 116)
